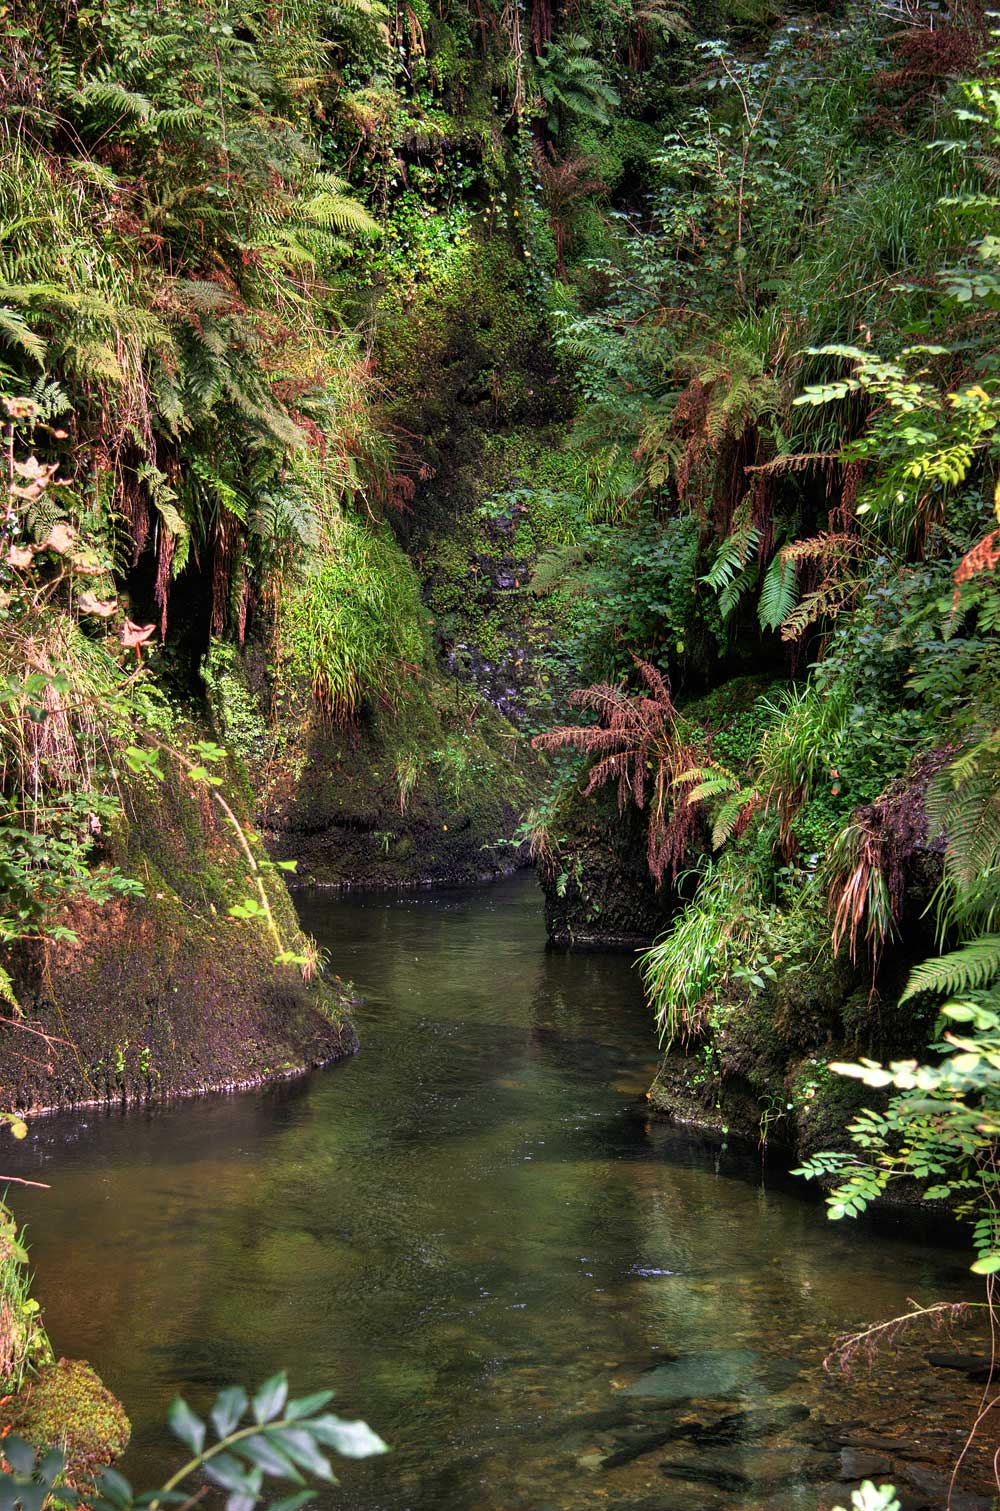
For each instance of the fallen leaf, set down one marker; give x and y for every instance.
(20, 557)
(89, 603)
(61, 538)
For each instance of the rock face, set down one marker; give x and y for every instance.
(598, 894)
(431, 798)
(167, 993)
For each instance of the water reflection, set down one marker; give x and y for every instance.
(475, 1234)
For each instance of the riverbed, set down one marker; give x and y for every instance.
(473, 1231)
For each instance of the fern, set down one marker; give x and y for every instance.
(777, 594)
(7, 993)
(110, 95)
(332, 207)
(15, 330)
(964, 802)
(970, 968)
(728, 816)
(734, 590)
(731, 557)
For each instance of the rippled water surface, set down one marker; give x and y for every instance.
(474, 1233)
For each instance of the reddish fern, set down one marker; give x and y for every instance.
(639, 743)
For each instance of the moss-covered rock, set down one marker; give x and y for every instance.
(595, 880)
(166, 992)
(431, 793)
(67, 1406)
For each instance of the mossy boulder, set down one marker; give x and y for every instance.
(166, 992)
(67, 1406)
(595, 880)
(429, 793)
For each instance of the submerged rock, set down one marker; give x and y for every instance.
(976, 1367)
(717, 1372)
(862, 1464)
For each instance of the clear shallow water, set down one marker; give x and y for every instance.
(475, 1235)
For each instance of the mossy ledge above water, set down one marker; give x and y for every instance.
(166, 993)
(67, 1406)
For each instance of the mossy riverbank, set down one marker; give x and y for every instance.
(167, 992)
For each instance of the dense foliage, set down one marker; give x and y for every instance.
(679, 332)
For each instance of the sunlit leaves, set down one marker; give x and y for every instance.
(266, 1437)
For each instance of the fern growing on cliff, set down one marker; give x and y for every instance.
(641, 745)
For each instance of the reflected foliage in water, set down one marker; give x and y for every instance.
(536, 1295)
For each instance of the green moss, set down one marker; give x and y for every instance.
(236, 710)
(825, 1104)
(67, 1406)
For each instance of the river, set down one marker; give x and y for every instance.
(476, 1235)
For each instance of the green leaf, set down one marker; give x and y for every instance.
(269, 1457)
(19, 1455)
(271, 1397)
(226, 1470)
(352, 1440)
(300, 1445)
(228, 1409)
(33, 1496)
(988, 1265)
(115, 1488)
(307, 1406)
(52, 1465)
(185, 1425)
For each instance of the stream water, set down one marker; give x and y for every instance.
(473, 1232)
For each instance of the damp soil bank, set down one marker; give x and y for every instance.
(474, 1231)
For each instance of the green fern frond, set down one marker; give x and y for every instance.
(16, 331)
(334, 209)
(7, 990)
(777, 594)
(969, 815)
(728, 817)
(110, 95)
(973, 966)
(731, 557)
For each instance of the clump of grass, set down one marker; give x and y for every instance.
(24, 1344)
(354, 624)
(685, 971)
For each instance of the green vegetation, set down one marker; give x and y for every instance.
(354, 626)
(62, 1436)
(65, 1407)
(388, 391)
(24, 1346)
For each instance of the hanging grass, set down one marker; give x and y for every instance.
(354, 624)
